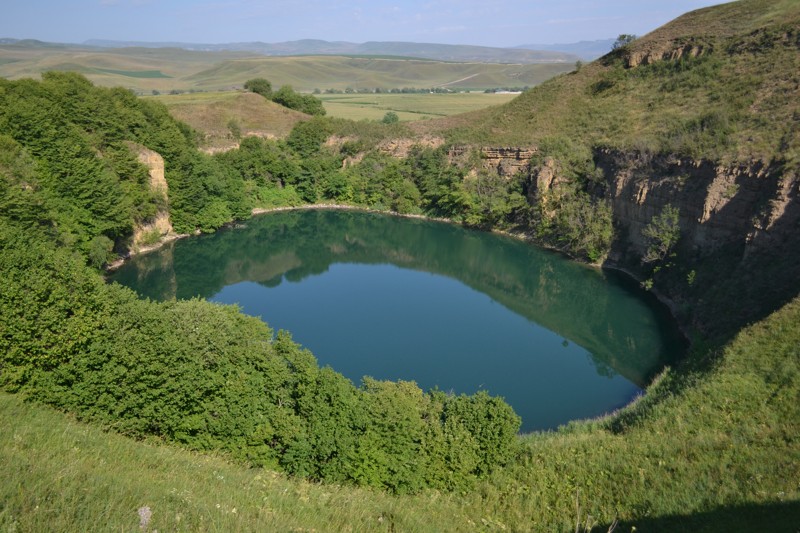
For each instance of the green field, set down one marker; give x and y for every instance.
(408, 106)
(144, 70)
(146, 74)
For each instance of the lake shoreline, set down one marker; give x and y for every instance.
(671, 305)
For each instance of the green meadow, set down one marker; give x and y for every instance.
(408, 106)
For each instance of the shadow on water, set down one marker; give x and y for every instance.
(624, 330)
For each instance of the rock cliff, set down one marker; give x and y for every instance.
(739, 246)
(505, 161)
(159, 226)
(739, 230)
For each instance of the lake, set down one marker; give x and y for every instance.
(409, 299)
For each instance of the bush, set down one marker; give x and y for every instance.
(390, 118)
(259, 86)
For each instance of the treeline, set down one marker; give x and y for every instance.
(77, 146)
(202, 375)
(304, 169)
(81, 143)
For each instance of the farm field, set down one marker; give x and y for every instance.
(409, 107)
(144, 70)
(220, 115)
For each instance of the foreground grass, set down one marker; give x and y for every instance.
(713, 447)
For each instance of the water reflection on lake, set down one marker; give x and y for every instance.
(460, 310)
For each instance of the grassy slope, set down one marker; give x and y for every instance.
(407, 106)
(719, 455)
(165, 69)
(172, 63)
(748, 85)
(213, 113)
(331, 72)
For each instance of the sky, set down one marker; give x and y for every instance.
(479, 22)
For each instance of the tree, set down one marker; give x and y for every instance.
(623, 40)
(260, 86)
(662, 233)
(305, 103)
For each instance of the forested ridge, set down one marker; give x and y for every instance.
(191, 372)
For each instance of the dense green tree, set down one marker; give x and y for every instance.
(260, 86)
(662, 234)
(305, 103)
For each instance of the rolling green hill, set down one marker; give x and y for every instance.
(438, 52)
(331, 72)
(718, 82)
(222, 118)
(175, 69)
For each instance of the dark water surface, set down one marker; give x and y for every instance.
(447, 307)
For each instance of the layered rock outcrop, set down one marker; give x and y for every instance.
(747, 205)
(505, 161)
(660, 51)
(159, 226)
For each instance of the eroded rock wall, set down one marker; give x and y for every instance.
(750, 205)
(505, 161)
(738, 257)
(160, 225)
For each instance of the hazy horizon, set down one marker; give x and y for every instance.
(504, 23)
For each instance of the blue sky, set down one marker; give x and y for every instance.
(480, 22)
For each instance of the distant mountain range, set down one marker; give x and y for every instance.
(524, 53)
(587, 50)
(439, 52)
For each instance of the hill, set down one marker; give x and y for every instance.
(701, 108)
(332, 72)
(713, 83)
(586, 50)
(174, 69)
(439, 52)
(224, 117)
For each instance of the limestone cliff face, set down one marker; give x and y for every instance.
(750, 206)
(402, 147)
(160, 223)
(669, 51)
(505, 161)
(738, 256)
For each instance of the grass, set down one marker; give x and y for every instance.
(166, 69)
(711, 447)
(731, 103)
(146, 74)
(408, 107)
(306, 73)
(213, 113)
(216, 115)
